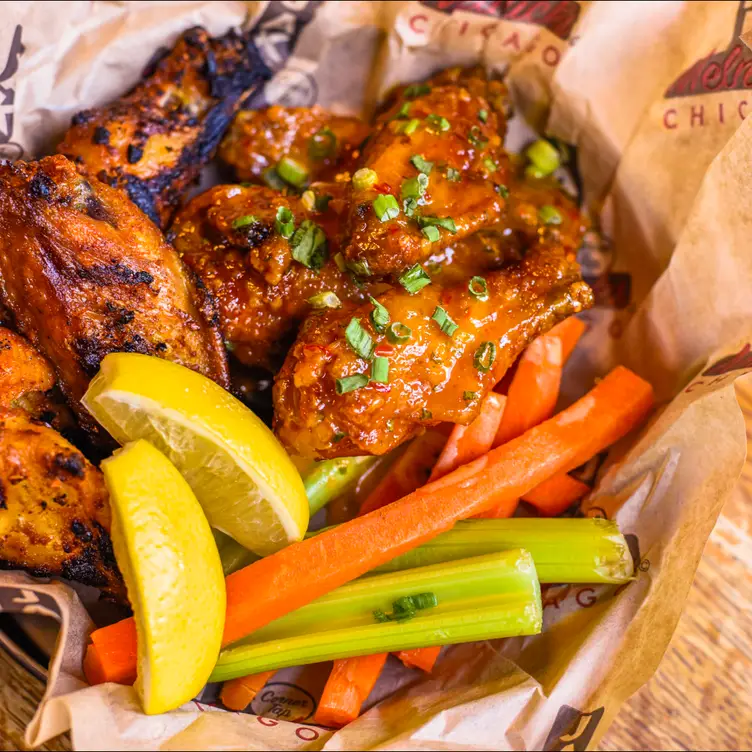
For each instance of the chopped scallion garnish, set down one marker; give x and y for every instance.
(308, 199)
(397, 333)
(273, 180)
(431, 233)
(359, 339)
(446, 223)
(533, 172)
(414, 187)
(502, 190)
(544, 156)
(549, 215)
(326, 299)
(417, 90)
(364, 179)
(244, 221)
(409, 205)
(338, 437)
(426, 414)
(484, 356)
(285, 222)
(379, 316)
(490, 165)
(380, 370)
(308, 245)
(322, 144)
(421, 164)
(359, 267)
(322, 202)
(350, 383)
(442, 318)
(414, 279)
(478, 288)
(339, 259)
(410, 126)
(385, 207)
(453, 175)
(404, 112)
(483, 116)
(475, 137)
(438, 122)
(469, 396)
(292, 172)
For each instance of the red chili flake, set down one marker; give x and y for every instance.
(446, 296)
(383, 188)
(384, 351)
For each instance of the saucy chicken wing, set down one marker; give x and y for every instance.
(85, 273)
(318, 143)
(438, 173)
(22, 369)
(154, 141)
(263, 256)
(445, 348)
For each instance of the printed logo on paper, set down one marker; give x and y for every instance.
(717, 373)
(284, 702)
(572, 729)
(722, 71)
(9, 149)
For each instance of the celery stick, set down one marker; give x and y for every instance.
(232, 554)
(330, 478)
(565, 550)
(485, 597)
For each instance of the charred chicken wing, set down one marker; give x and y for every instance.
(85, 273)
(314, 144)
(22, 369)
(54, 512)
(444, 349)
(153, 141)
(263, 256)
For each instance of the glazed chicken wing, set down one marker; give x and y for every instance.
(22, 369)
(262, 281)
(54, 512)
(440, 174)
(154, 141)
(445, 347)
(320, 143)
(85, 273)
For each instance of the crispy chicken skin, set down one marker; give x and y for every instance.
(153, 141)
(85, 273)
(54, 511)
(229, 237)
(22, 369)
(323, 143)
(432, 377)
(459, 134)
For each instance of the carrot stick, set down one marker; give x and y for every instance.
(409, 472)
(349, 684)
(556, 494)
(568, 332)
(467, 443)
(296, 575)
(238, 694)
(422, 658)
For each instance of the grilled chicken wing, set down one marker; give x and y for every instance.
(434, 375)
(85, 273)
(231, 237)
(441, 175)
(321, 143)
(54, 512)
(22, 369)
(154, 140)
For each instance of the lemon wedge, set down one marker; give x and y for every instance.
(166, 552)
(243, 478)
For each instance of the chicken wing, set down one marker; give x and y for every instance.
(262, 281)
(154, 140)
(54, 512)
(446, 348)
(22, 369)
(321, 143)
(440, 175)
(85, 273)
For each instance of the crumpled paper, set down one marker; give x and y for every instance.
(648, 94)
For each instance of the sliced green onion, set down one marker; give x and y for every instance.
(403, 113)
(410, 126)
(549, 215)
(502, 190)
(292, 172)
(338, 436)
(416, 90)
(533, 172)
(359, 267)
(446, 223)
(490, 165)
(397, 333)
(364, 179)
(328, 479)
(442, 318)
(482, 598)
(453, 175)
(484, 356)
(414, 279)
(414, 187)
(308, 245)
(478, 288)
(273, 180)
(350, 383)
(308, 199)
(285, 222)
(438, 123)
(475, 137)
(432, 233)
(544, 155)
(326, 299)
(469, 396)
(339, 259)
(409, 206)
(244, 221)
(322, 202)
(385, 207)
(483, 116)
(322, 144)
(359, 339)
(380, 370)
(420, 164)
(426, 414)
(379, 316)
